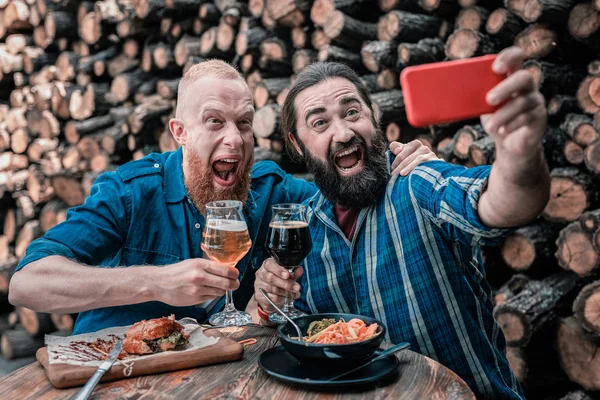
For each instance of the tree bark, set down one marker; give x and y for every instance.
(552, 78)
(482, 151)
(535, 307)
(339, 26)
(250, 40)
(581, 128)
(407, 27)
(124, 85)
(560, 150)
(560, 105)
(504, 25)
(511, 288)
(378, 55)
(389, 106)
(442, 8)
(463, 139)
(551, 12)
(17, 343)
(269, 89)
(428, 50)
(339, 54)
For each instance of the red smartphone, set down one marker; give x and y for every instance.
(448, 91)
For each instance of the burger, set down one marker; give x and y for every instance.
(155, 336)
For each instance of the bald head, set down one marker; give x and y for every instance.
(206, 69)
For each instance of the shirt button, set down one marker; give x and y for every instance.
(157, 165)
(197, 225)
(189, 200)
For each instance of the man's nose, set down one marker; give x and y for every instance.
(233, 137)
(343, 133)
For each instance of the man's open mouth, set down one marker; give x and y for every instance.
(224, 171)
(349, 159)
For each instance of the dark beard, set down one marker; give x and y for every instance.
(199, 182)
(357, 191)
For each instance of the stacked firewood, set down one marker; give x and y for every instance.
(87, 86)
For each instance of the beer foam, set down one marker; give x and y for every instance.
(288, 224)
(227, 225)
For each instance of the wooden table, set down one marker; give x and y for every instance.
(418, 377)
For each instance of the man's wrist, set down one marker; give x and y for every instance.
(523, 172)
(150, 290)
(262, 313)
(264, 316)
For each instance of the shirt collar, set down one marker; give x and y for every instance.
(174, 188)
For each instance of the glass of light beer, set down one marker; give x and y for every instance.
(226, 240)
(288, 242)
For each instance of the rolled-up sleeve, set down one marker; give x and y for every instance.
(93, 231)
(298, 190)
(449, 195)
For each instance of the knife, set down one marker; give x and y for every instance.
(89, 387)
(384, 354)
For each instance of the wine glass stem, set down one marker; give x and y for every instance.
(229, 307)
(289, 299)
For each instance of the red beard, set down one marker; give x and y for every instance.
(199, 182)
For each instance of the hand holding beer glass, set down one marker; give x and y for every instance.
(226, 241)
(288, 242)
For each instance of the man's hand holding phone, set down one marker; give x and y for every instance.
(519, 125)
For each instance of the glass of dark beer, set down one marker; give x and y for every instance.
(288, 242)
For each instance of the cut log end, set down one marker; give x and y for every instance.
(518, 252)
(512, 326)
(470, 18)
(466, 43)
(578, 354)
(591, 311)
(592, 157)
(584, 21)
(536, 41)
(576, 251)
(568, 200)
(515, 358)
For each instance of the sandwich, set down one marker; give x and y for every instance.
(155, 336)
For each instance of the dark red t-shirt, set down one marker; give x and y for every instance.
(346, 219)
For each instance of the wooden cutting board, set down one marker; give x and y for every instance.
(66, 375)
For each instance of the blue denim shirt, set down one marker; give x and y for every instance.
(141, 214)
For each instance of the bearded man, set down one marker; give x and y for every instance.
(148, 216)
(406, 249)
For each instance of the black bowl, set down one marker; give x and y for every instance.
(330, 352)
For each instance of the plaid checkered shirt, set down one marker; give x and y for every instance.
(414, 263)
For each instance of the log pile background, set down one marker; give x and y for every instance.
(87, 86)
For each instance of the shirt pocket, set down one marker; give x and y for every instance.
(133, 256)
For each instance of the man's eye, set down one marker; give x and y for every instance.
(213, 121)
(318, 123)
(351, 112)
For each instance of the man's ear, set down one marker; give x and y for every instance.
(178, 131)
(295, 144)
